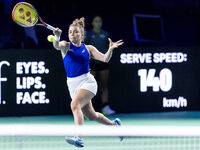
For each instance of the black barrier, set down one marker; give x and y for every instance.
(155, 79)
(32, 82)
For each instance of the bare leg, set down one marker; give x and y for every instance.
(81, 104)
(91, 115)
(81, 99)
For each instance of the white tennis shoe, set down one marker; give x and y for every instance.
(76, 141)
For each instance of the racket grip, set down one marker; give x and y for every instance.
(50, 27)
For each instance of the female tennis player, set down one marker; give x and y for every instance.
(81, 84)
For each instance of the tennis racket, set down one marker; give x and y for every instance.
(25, 15)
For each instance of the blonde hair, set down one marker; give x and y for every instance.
(81, 24)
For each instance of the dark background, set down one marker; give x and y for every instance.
(180, 19)
(176, 28)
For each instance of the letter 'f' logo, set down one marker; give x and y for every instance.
(2, 79)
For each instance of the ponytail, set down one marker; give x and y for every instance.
(81, 24)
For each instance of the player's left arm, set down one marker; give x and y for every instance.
(95, 54)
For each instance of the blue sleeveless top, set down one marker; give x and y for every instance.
(76, 61)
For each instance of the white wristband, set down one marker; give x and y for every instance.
(57, 38)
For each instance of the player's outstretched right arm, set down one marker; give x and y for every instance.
(60, 45)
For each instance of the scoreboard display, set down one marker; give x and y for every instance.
(144, 79)
(156, 79)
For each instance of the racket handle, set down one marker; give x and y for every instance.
(50, 27)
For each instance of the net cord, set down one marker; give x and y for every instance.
(94, 130)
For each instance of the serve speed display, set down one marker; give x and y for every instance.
(159, 79)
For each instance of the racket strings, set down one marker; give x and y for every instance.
(24, 14)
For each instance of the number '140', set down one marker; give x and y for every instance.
(148, 79)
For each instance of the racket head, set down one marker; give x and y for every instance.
(24, 14)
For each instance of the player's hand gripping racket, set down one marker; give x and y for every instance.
(24, 14)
